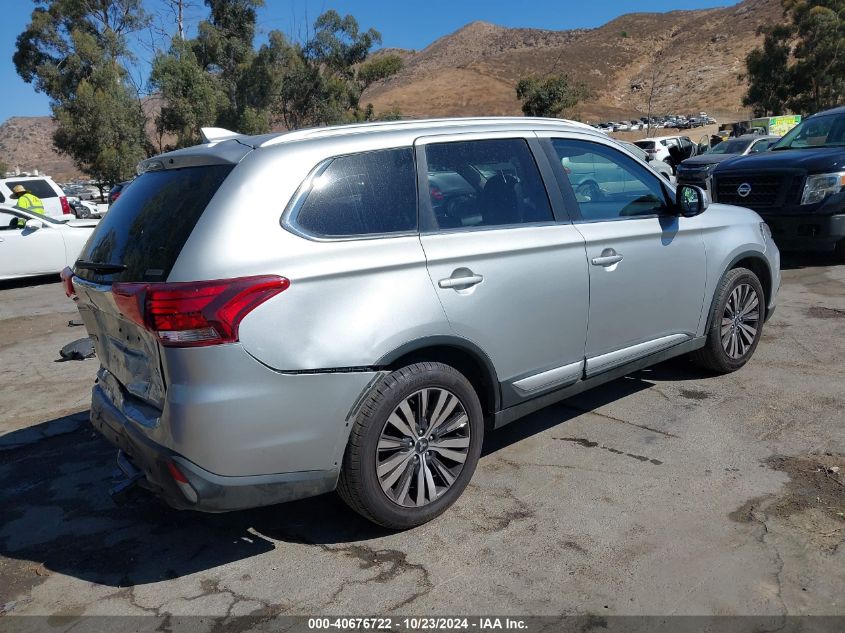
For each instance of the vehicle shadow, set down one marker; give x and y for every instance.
(673, 370)
(796, 261)
(59, 517)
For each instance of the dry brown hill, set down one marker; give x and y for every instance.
(474, 70)
(26, 143)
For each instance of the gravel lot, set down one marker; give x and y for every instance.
(666, 492)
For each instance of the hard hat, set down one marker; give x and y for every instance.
(19, 189)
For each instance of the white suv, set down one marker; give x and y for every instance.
(658, 148)
(54, 199)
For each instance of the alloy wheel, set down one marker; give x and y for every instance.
(740, 321)
(422, 447)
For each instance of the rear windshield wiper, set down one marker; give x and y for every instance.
(101, 267)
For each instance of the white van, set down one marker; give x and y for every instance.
(54, 199)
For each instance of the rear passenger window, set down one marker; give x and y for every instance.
(485, 183)
(38, 188)
(372, 193)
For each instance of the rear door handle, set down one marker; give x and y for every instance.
(460, 283)
(608, 257)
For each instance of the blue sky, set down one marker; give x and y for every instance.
(402, 24)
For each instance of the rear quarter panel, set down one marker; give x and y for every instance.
(350, 302)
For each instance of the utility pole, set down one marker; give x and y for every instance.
(180, 18)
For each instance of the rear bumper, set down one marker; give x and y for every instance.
(806, 232)
(243, 434)
(214, 493)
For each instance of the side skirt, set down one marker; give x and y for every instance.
(511, 414)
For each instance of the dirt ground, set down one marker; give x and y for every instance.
(668, 492)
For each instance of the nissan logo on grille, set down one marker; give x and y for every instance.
(744, 189)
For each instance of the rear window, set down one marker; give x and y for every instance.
(371, 193)
(40, 188)
(149, 224)
(644, 144)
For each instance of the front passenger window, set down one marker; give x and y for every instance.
(609, 185)
(485, 183)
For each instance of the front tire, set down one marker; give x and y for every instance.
(413, 447)
(736, 323)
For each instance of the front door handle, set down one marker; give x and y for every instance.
(608, 257)
(460, 282)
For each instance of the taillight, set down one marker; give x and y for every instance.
(195, 313)
(436, 194)
(65, 206)
(67, 282)
(114, 197)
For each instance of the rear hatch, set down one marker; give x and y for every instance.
(136, 243)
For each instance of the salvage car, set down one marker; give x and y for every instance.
(33, 244)
(672, 150)
(798, 186)
(357, 332)
(697, 170)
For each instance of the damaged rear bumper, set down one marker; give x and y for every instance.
(208, 492)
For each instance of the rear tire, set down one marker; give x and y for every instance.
(736, 323)
(399, 475)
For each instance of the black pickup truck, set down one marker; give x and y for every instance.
(798, 186)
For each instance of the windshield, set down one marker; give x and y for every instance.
(817, 131)
(730, 147)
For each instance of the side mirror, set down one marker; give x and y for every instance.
(691, 200)
(33, 225)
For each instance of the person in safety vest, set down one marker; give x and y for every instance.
(26, 201)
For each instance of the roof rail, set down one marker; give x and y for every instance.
(217, 134)
(316, 132)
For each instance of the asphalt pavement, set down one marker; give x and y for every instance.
(670, 491)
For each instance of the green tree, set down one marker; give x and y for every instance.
(769, 73)
(326, 76)
(549, 96)
(801, 65)
(74, 52)
(191, 95)
(224, 48)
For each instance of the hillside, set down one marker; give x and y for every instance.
(474, 70)
(26, 142)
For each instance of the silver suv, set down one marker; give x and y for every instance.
(352, 308)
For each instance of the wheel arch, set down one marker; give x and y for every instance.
(463, 355)
(755, 262)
